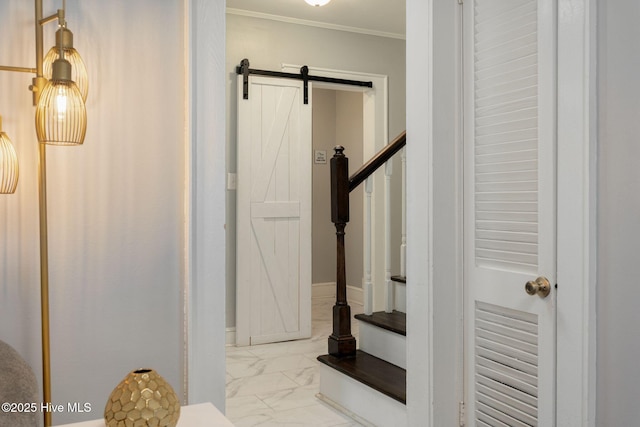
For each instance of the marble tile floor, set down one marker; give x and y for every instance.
(276, 384)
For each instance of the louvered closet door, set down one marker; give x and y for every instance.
(509, 211)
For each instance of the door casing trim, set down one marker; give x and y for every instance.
(375, 119)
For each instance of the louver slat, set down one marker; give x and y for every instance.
(525, 413)
(505, 413)
(506, 135)
(506, 366)
(507, 186)
(531, 402)
(508, 331)
(520, 380)
(485, 420)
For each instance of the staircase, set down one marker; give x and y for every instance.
(370, 385)
(365, 381)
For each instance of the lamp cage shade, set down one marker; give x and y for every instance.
(8, 165)
(78, 69)
(61, 116)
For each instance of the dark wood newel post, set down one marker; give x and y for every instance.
(341, 342)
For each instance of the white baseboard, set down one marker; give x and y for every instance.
(343, 410)
(230, 336)
(328, 290)
(323, 290)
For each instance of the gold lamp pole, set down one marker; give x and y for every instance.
(60, 120)
(38, 85)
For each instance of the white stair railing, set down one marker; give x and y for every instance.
(370, 282)
(389, 286)
(367, 278)
(367, 287)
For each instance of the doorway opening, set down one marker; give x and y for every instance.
(337, 120)
(371, 106)
(374, 106)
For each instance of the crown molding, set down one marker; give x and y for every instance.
(309, 23)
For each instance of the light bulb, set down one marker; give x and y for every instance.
(317, 2)
(61, 102)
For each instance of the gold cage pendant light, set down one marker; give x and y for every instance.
(8, 164)
(64, 42)
(61, 115)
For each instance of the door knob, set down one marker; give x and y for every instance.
(540, 286)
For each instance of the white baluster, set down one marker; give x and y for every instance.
(368, 285)
(389, 303)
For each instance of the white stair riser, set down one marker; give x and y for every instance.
(383, 344)
(354, 398)
(400, 297)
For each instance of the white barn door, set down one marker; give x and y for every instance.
(510, 211)
(273, 212)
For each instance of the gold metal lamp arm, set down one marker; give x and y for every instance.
(18, 69)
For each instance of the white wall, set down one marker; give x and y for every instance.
(349, 134)
(618, 376)
(269, 44)
(116, 204)
(322, 241)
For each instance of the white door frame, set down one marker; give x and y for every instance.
(203, 353)
(204, 302)
(375, 120)
(576, 330)
(575, 223)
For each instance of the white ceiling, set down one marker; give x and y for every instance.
(378, 17)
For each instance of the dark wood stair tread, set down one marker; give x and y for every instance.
(376, 373)
(395, 321)
(401, 279)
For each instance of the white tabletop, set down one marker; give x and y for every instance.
(200, 415)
